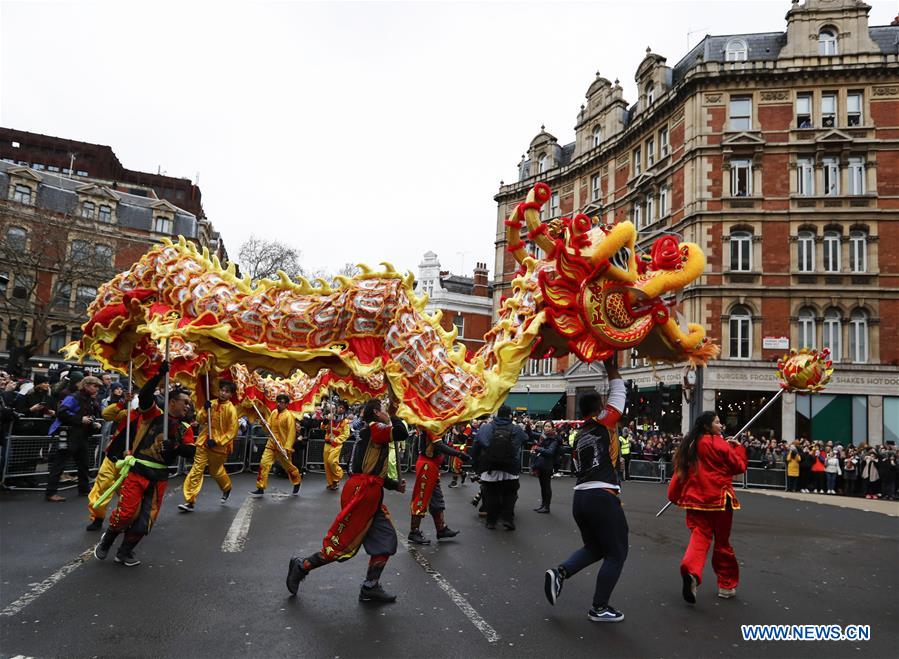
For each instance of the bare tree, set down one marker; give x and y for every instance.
(260, 258)
(39, 272)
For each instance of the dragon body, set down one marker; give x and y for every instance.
(589, 296)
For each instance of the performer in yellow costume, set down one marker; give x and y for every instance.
(337, 429)
(282, 424)
(212, 451)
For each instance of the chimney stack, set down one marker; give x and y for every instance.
(481, 286)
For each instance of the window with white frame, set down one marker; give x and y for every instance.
(105, 213)
(858, 251)
(663, 200)
(663, 142)
(533, 367)
(541, 163)
(740, 113)
(831, 251)
(827, 41)
(806, 328)
(459, 324)
(831, 176)
(84, 295)
(53, 168)
(38, 166)
(857, 175)
(597, 136)
(741, 177)
(854, 108)
(803, 110)
(88, 208)
(638, 161)
(858, 336)
(103, 255)
(736, 51)
(650, 208)
(22, 194)
(806, 251)
(554, 205)
(829, 109)
(546, 366)
(81, 251)
(740, 326)
(63, 297)
(832, 331)
(740, 251)
(162, 224)
(805, 173)
(650, 152)
(637, 213)
(16, 238)
(650, 94)
(595, 190)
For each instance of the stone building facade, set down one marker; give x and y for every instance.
(778, 153)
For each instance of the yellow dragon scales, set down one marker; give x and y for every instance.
(590, 295)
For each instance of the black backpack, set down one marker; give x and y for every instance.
(500, 455)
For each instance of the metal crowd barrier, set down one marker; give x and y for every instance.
(28, 457)
(315, 455)
(236, 460)
(646, 470)
(765, 478)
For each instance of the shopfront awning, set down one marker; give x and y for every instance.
(535, 403)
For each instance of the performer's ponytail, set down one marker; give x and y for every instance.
(687, 452)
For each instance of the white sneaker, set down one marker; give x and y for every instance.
(727, 593)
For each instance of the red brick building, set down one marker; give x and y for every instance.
(778, 153)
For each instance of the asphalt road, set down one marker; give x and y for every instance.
(802, 563)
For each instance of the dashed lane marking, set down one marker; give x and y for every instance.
(458, 599)
(236, 538)
(40, 588)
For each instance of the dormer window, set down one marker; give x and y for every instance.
(736, 51)
(650, 94)
(88, 209)
(162, 224)
(827, 41)
(597, 136)
(541, 163)
(22, 194)
(105, 214)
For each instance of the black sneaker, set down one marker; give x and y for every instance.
(295, 574)
(446, 532)
(126, 557)
(296, 490)
(690, 584)
(552, 585)
(225, 495)
(541, 509)
(605, 614)
(186, 507)
(375, 594)
(101, 551)
(96, 525)
(258, 492)
(417, 538)
(510, 526)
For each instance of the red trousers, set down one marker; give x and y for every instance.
(706, 525)
(360, 500)
(139, 502)
(427, 475)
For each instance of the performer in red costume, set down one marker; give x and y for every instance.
(363, 519)
(705, 464)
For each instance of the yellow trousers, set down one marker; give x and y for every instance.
(333, 470)
(106, 476)
(216, 464)
(269, 455)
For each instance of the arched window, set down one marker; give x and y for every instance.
(105, 213)
(806, 251)
(597, 136)
(16, 238)
(831, 251)
(858, 336)
(740, 251)
(827, 41)
(806, 328)
(650, 208)
(22, 194)
(637, 213)
(832, 332)
(88, 208)
(736, 51)
(740, 333)
(541, 163)
(858, 251)
(650, 94)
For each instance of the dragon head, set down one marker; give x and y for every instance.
(600, 295)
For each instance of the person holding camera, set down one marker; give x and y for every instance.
(793, 462)
(76, 420)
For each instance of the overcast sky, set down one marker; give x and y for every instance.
(362, 131)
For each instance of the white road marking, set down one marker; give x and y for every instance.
(236, 538)
(40, 588)
(458, 599)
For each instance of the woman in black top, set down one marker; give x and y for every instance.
(545, 451)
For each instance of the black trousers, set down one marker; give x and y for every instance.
(546, 492)
(77, 449)
(500, 498)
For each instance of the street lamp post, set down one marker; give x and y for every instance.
(528, 401)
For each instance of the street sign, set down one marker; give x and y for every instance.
(775, 343)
